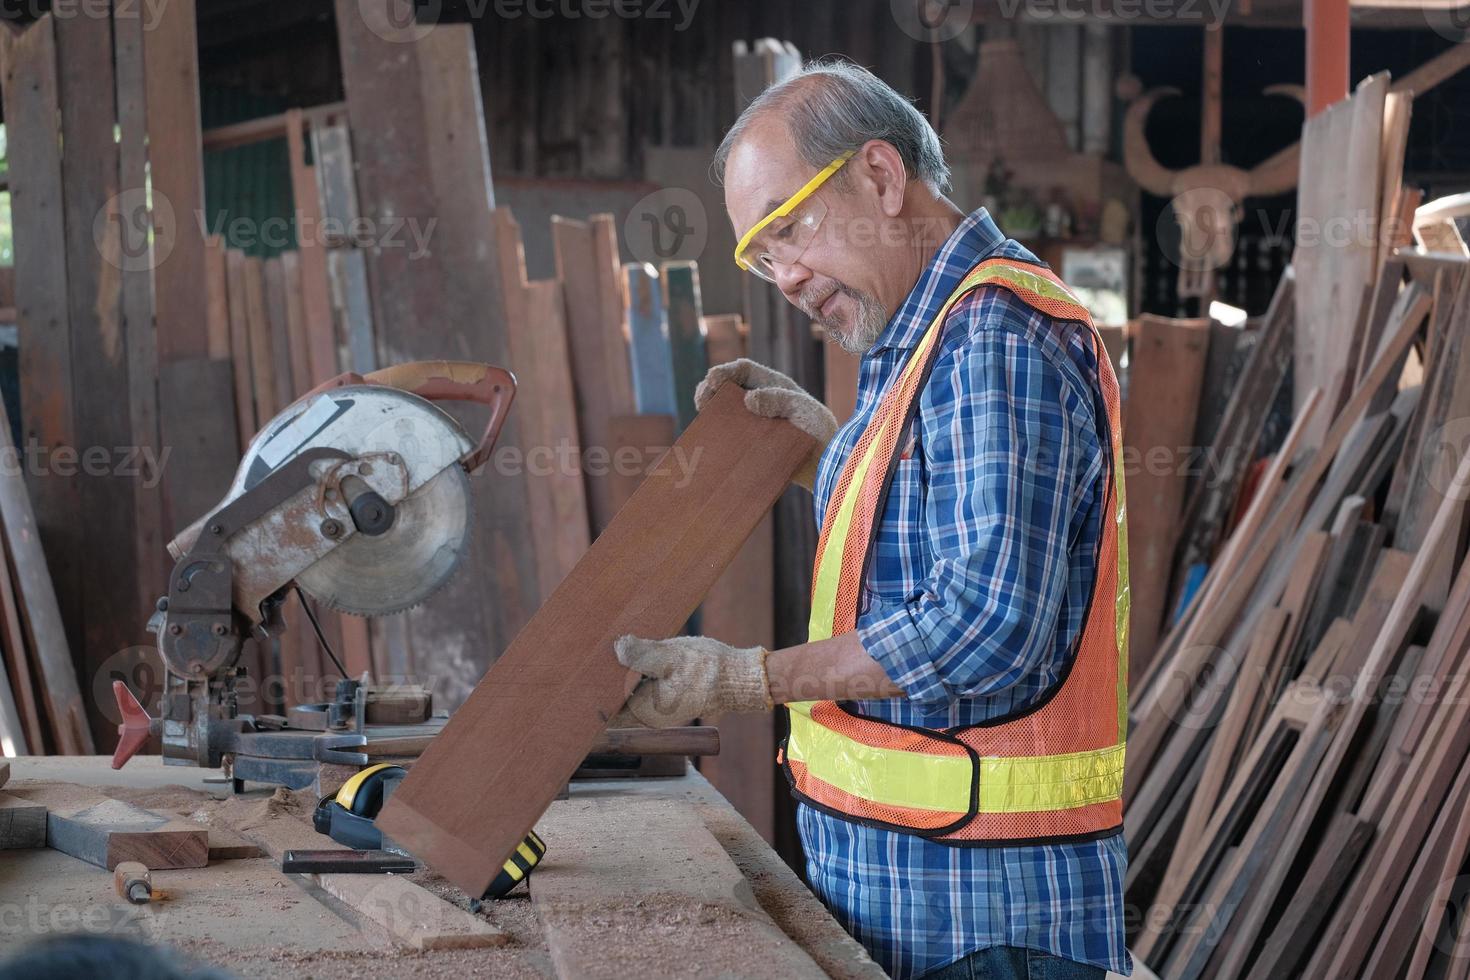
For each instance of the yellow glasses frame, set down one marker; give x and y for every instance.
(792, 203)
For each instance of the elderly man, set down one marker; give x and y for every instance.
(959, 713)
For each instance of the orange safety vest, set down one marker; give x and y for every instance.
(1052, 771)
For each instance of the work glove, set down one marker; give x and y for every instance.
(690, 677)
(775, 396)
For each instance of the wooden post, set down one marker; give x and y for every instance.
(1329, 35)
(414, 108)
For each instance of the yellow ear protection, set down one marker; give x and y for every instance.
(347, 818)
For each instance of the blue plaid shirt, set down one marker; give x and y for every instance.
(976, 589)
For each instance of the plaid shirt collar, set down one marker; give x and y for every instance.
(975, 239)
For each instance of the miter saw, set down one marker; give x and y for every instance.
(358, 495)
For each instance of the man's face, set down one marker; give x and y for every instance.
(837, 280)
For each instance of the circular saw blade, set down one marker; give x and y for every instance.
(396, 570)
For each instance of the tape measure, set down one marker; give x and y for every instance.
(347, 818)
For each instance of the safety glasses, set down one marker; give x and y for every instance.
(784, 234)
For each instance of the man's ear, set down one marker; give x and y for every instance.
(878, 165)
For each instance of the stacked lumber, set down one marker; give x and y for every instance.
(40, 702)
(1299, 759)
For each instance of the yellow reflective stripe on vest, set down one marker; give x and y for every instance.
(918, 780)
(1123, 600)
(892, 776)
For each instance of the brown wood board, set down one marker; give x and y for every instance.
(1163, 397)
(18, 666)
(217, 290)
(262, 365)
(57, 672)
(1389, 640)
(591, 282)
(1292, 937)
(551, 693)
(152, 564)
(242, 364)
(316, 307)
(1239, 431)
(546, 403)
(418, 130)
(106, 832)
(176, 172)
(1383, 598)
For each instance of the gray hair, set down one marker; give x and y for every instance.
(834, 106)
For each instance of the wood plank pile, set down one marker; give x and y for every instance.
(1299, 761)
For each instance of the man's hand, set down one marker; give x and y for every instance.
(690, 677)
(775, 396)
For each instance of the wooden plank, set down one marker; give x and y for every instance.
(346, 267)
(30, 86)
(262, 366)
(22, 823)
(23, 708)
(111, 634)
(176, 171)
(106, 832)
(1441, 855)
(639, 442)
(242, 364)
(1400, 618)
(216, 285)
(1239, 432)
(648, 332)
(296, 324)
(38, 598)
(1291, 940)
(203, 452)
(283, 389)
(1391, 572)
(316, 305)
(152, 564)
(552, 692)
(685, 319)
(592, 289)
(419, 141)
(547, 407)
(1331, 270)
(589, 885)
(1164, 396)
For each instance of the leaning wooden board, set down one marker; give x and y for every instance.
(506, 752)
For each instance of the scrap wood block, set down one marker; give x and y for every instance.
(106, 832)
(22, 823)
(602, 878)
(463, 807)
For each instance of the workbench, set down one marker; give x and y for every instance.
(647, 877)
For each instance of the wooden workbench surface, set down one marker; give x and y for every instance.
(640, 877)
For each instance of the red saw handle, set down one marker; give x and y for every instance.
(448, 381)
